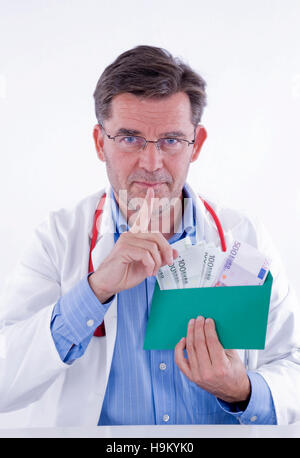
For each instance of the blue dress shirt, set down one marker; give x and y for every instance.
(146, 386)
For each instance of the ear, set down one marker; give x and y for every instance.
(200, 137)
(99, 140)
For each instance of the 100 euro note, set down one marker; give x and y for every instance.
(205, 265)
(168, 276)
(196, 265)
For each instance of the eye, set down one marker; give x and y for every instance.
(129, 140)
(171, 141)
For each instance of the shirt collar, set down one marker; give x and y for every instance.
(118, 217)
(187, 226)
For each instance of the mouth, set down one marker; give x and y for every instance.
(145, 184)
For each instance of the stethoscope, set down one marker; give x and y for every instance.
(100, 330)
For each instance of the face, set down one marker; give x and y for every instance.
(152, 119)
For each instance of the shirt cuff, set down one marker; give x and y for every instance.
(260, 409)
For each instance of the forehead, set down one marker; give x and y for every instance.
(129, 110)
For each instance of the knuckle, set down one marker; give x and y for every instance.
(207, 378)
(221, 372)
(199, 337)
(123, 239)
(199, 380)
(189, 346)
(153, 246)
(160, 239)
(149, 257)
(210, 335)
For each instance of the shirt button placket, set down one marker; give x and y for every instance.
(162, 378)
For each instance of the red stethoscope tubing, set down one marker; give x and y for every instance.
(217, 223)
(100, 330)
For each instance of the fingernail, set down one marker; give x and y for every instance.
(200, 318)
(191, 321)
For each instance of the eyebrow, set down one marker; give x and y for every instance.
(123, 131)
(173, 133)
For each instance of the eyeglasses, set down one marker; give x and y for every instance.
(135, 143)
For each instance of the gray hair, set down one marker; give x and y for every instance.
(149, 72)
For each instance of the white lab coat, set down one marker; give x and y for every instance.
(52, 393)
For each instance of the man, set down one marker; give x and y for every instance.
(149, 106)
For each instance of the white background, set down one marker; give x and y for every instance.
(52, 53)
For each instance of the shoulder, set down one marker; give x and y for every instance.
(245, 226)
(239, 222)
(241, 225)
(73, 217)
(62, 228)
(234, 220)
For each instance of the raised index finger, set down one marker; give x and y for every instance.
(144, 215)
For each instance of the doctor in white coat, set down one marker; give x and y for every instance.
(147, 141)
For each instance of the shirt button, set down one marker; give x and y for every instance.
(90, 323)
(166, 418)
(254, 418)
(162, 366)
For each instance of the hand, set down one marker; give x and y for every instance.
(136, 255)
(218, 371)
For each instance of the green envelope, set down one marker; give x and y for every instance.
(240, 314)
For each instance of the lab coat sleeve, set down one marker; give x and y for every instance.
(75, 317)
(279, 362)
(29, 361)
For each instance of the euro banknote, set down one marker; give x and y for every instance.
(205, 265)
(244, 265)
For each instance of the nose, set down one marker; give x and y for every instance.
(150, 158)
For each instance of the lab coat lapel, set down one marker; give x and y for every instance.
(205, 228)
(105, 240)
(205, 225)
(102, 249)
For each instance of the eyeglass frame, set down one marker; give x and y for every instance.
(110, 137)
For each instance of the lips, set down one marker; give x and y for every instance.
(144, 183)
